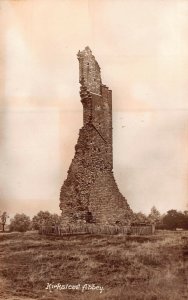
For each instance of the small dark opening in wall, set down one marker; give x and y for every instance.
(89, 217)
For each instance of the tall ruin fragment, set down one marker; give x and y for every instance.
(90, 193)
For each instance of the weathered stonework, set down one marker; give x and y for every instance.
(90, 193)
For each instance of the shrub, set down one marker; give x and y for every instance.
(45, 218)
(20, 222)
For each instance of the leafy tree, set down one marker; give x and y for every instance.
(185, 221)
(45, 218)
(4, 216)
(20, 222)
(174, 219)
(140, 217)
(154, 215)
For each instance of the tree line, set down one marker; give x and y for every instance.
(171, 220)
(22, 222)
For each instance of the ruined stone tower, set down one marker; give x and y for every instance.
(90, 193)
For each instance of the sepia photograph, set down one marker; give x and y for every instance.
(94, 149)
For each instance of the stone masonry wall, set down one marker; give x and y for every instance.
(90, 193)
(89, 71)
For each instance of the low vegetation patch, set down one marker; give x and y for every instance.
(126, 267)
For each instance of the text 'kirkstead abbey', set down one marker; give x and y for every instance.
(90, 193)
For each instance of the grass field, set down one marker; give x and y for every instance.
(135, 268)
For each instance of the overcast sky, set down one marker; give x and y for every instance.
(142, 49)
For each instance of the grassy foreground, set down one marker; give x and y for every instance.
(135, 268)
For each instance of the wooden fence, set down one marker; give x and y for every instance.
(97, 229)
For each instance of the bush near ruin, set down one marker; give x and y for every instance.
(45, 218)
